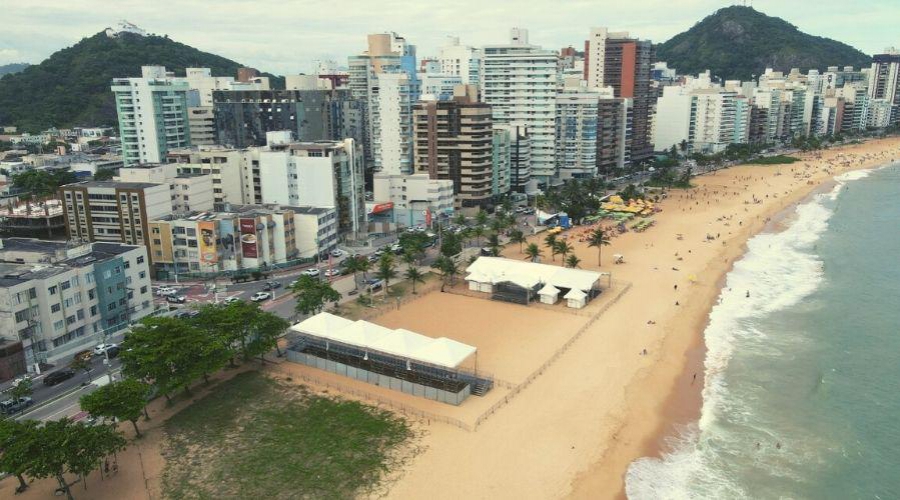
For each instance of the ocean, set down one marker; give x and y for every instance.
(802, 377)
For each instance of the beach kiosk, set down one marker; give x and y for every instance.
(576, 299)
(549, 294)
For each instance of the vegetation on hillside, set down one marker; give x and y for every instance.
(6, 69)
(739, 42)
(71, 87)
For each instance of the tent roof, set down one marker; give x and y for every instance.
(575, 294)
(525, 273)
(400, 342)
(549, 290)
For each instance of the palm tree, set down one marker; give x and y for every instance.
(573, 261)
(459, 219)
(414, 276)
(356, 264)
(478, 233)
(550, 242)
(481, 217)
(517, 236)
(533, 251)
(494, 244)
(598, 239)
(386, 270)
(562, 248)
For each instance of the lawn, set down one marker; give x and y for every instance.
(773, 160)
(254, 437)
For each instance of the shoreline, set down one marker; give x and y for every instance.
(683, 403)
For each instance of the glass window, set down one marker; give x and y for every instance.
(55, 308)
(64, 285)
(140, 260)
(52, 290)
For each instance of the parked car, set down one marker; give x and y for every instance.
(101, 349)
(271, 285)
(58, 376)
(165, 291)
(11, 406)
(313, 271)
(230, 300)
(260, 296)
(176, 299)
(337, 253)
(113, 351)
(186, 313)
(332, 272)
(374, 285)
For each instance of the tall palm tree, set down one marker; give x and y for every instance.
(386, 270)
(517, 236)
(481, 218)
(354, 265)
(562, 248)
(598, 239)
(459, 219)
(414, 276)
(494, 244)
(478, 233)
(533, 251)
(550, 242)
(573, 261)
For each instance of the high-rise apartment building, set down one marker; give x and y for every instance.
(460, 60)
(385, 78)
(884, 84)
(453, 141)
(520, 82)
(577, 117)
(519, 157)
(152, 113)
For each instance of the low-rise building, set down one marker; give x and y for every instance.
(417, 199)
(57, 298)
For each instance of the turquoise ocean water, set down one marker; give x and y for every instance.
(802, 394)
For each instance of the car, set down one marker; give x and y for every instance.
(271, 285)
(165, 291)
(231, 300)
(337, 252)
(185, 314)
(101, 349)
(113, 351)
(176, 299)
(332, 272)
(58, 376)
(374, 284)
(260, 296)
(313, 271)
(11, 406)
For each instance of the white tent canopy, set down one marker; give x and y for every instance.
(400, 342)
(523, 273)
(549, 290)
(575, 294)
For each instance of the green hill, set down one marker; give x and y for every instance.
(6, 69)
(71, 87)
(738, 42)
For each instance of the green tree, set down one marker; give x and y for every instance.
(599, 239)
(123, 400)
(105, 174)
(22, 389)
(573, 261)
(550, 243)
(356, 264)
(494, 244)
(448, 269)
(43, 183)
(481, 218)
(533, 252)
(386, 270)
(82, 363)
(19, 445)
(69, 447)
(264, 331)
(312, 294)
(459, 219)
(477, 232)
(451, 244)
(516, 236)
(562, 248)
(414, 276)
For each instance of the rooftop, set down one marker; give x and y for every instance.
(113, 184)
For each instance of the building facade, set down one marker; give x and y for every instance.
(577, 120)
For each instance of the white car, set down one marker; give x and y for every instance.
(332, 272)
(101, 349)
(230, 300)
(337, 252)
(165, 291)
(260, 296)
(314, 272)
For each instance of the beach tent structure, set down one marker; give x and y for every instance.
(549, 294)
(522, 281)
(576, 299)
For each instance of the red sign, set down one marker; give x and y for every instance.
(249, 238)
(382, 207)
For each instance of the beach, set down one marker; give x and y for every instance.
(579, 400)
(576, 429)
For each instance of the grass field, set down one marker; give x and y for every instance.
(254, 437)
(773, 160)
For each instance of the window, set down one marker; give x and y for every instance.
(122, 302)
(68, 303)
(32, 293)
(58, 325)
(89, 278)
(143, 289)
(54, 308)
(70, 320)
(93, 310)
(74, 281)
(111, 307)
(80, 314)
(117, 270)
(52, 290)
(77, 297)
(127, 264)
(92, 294)
(107, 274)
(22, 316)
(142, 275)
(64, 285)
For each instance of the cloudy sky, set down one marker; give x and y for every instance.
(286, 36)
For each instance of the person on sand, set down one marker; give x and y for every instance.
(676, 287)
(748, 294)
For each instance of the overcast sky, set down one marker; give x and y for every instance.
(286, 36)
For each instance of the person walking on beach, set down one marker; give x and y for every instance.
(676, 287)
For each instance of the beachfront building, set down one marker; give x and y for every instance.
(460, 60)
(520, 81)
(58, 298)
(577, 115)
(440, 369)
(884, 84)
(523, 282)
(416, 199)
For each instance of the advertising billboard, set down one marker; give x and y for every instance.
(226, 237)
(249, 239)
(207, 242)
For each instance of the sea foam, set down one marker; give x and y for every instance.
(777, 271)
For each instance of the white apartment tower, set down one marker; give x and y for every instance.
(520, 82)
(460, 60)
